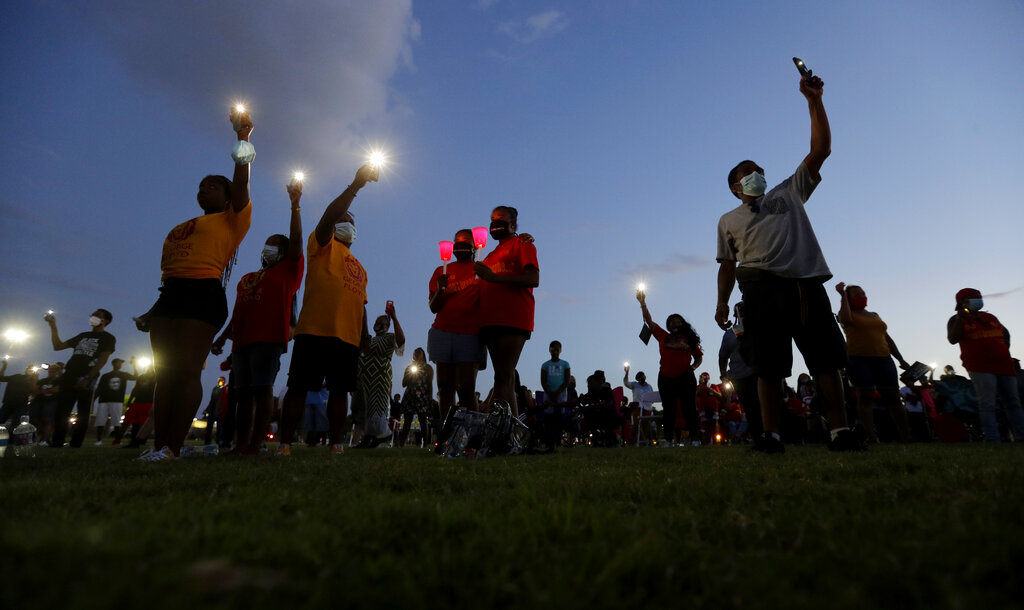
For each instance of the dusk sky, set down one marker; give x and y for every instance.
(610, 125)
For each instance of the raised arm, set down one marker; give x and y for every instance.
(399, 334)
(640, 296)
(339, 207)
(240, 179)
(821, 134)
(845, 314)
(54, 337)
(295, 227)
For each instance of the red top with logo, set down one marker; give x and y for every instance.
(676, 353)
(461, 309)
(263, 307)
(983, 347)
(501, 304)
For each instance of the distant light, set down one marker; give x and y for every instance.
(15, 336)
(144, 362)
(414, 369)
(625, 364)
(34, 369)
(718, 438)
(933, 366)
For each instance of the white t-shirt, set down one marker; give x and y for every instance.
(640, 391)
(774, 233)
(911, 400)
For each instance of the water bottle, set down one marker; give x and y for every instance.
(23, 440)
(3, 440)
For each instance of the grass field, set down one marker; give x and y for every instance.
(936, 526)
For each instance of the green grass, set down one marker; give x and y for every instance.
(921, 526)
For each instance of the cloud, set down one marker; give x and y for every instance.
(319, 68)
(676, 264)
(538, 26)
(483, 5)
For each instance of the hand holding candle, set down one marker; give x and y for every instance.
(641, 294)
(445, 248)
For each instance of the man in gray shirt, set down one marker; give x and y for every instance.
(769, 246)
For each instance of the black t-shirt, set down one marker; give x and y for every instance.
(88, 346)
(112, 386)
(45, 384)
(18, 389)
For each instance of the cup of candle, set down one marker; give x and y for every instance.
(479, 239)
(297, 179)
(445, 249)
(236, 116)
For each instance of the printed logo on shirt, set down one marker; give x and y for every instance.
(355, 270)
(114, 383)
(679, 343)
(776, 206)
(249, 286)
(87, 347)
(182, 231)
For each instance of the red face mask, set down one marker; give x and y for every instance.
(858, 302)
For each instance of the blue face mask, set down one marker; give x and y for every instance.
(753, 184)
(975, 304)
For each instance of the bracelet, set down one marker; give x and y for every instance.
(297, 208)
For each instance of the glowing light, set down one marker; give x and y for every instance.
(144, 362)
(625, 364)
(641, 287)
(933, 366)
(239, 108)
(49, 312)
(727, 385)
(718, 438)
(44, 366)
(445, 249)
(414, 369)
(298, 177)
(15, 336)
(480, 237)
(377, 159)
(34, 369)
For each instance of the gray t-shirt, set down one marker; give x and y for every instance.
(738, 369)
(778, 236)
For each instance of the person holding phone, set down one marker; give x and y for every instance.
(871, 350)
(681, 354)
(768, 245)
(332, 323)
(507, 278)
(376, 375)
(196, 259)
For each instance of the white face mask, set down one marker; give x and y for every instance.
(94, 321)
(271, 255)
(753, 184)
(346, 232)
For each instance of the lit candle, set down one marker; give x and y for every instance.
(479, 239)
(377, 159)
(297, 178)
(641, 288)
(236, 116)
(445, 248)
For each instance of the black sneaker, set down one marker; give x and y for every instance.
(847, 440)
(766, 443)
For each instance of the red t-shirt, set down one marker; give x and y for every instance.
(676, 353)
(263, 307)
(983, 347)
(460, 313)
(503, 305)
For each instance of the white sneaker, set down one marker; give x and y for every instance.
(157, 456)
(98, 444)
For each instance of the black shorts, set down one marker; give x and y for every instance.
(316, 358)
(256, 365)
(493, 332)
(202, 300)
(778, 311)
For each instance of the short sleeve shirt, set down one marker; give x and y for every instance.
(112, 386)
(983, 346)
(774, 234)
(202, 247)
(88, 346)
(738, 368)
(332, 304)
(460, 313)
(503, 305)
(263, 306)
(676, 353)
(556, 371)
(866, 336)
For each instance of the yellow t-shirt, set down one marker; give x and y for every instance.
(202, 247)
(332, 305)
(865, 336)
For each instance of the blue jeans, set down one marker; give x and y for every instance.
(988, 385)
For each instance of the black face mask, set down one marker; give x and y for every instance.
(463, 254)
(500, 229)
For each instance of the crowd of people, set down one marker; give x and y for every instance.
(484, 314)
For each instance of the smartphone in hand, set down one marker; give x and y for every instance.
(802, 67)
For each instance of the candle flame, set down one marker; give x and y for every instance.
(377, 158)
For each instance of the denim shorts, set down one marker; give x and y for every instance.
(444, 347)
(872, 373)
